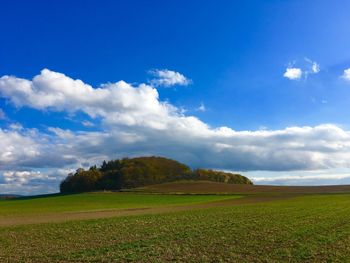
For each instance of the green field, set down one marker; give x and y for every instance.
(97, 202)
(300, 228)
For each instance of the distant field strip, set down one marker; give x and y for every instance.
(310, 228)
(97, 205)
(215, 188)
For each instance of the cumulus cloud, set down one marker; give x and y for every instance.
(168, 78)
(117, 102)
(346, 74)
(293, 73)
(22, 176)
(134, 122)
(31, 182)
(31, 148)
(16, 147)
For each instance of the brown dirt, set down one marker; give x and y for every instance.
(206, 187)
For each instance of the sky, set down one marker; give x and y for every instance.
(257, 87)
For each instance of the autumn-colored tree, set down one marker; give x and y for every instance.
(135, 172)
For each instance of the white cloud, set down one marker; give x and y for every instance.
(117, 102)
(299, 177)
(87, 124)
(202, 107)
(346, 74)
(22, 176)
(315, 67)
(293, 73)
(294, 148)
(135, 122)
(306, 68)
(16, 126)
(321, 177)
(29, 148)
(15, 147)
(168, 78)
(28, 182)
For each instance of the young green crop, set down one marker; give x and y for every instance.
(98, 201)
(314, 228)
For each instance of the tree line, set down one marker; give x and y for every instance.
(141, 171)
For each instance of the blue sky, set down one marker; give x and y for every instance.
(199, 65)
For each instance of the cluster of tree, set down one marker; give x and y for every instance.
(219, 176)
(141, 171)
(8, 196)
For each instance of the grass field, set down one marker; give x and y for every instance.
(184, 228)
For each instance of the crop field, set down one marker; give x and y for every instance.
(252, 227)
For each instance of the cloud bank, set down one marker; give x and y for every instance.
(319, 177)
(134, 121)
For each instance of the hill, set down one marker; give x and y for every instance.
(141, 171)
